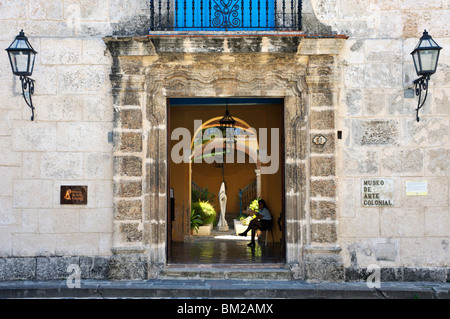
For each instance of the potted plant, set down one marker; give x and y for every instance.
(196, 222)
(207, 215)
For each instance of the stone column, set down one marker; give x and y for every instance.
(258, 182)
(130, 251)
(129, 260)
(295, 182)
(322, 260)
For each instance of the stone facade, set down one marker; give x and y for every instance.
(101, 89)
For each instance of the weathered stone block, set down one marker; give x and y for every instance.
(131, 232)
(97, 221)
(130, 119)
(94, 267)
(24, 136)
(424, 274)
(354, 76)
(374, 103)
(51, 268)
(323, 188)
(128, 188)
(76, 79)
(424, 252)
(128, 142)
(58, 221)
(322, 120)
(437, 223)
(324, 267)
(128, 98)
(353, 101)
(375, 132)
(326, 98)
(382, 75)
(323, 233)
(397, 161)
(323, 166)
(61, 51)
(383, 50)
(366, 223)
(128, 166)
(128, 267)
(57, 165)
(402, 223)
(437, 161)
(386, 251)
(129, 210)
(32, 193)
(77, 244)
(427, 132)
(321, 210)
(21, 268)
(98, 166)
(442, 101)
(83, 137)
(360, 161)
(327, 148)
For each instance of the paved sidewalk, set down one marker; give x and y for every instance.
(223, 289)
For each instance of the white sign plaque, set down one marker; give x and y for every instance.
(377, 192)
(416, 188)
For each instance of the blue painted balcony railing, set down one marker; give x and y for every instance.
(225, 15)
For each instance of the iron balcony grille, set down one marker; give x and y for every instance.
(225, 15)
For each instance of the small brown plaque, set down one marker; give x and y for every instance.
(73, 195)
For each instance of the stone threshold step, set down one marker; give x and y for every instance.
(229, 272)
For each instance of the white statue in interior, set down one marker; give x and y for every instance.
(222, 225)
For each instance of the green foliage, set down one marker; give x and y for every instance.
(245, 220)
(196, 222)
(205, 210)
(202, 195)
(254, 204)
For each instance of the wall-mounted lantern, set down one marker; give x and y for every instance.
(425, 57)
(22, 56)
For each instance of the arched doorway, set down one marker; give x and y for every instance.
(211, 163)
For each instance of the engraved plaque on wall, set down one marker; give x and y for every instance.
(73, 195)
(377, 192)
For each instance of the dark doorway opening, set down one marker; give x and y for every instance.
(255, 169)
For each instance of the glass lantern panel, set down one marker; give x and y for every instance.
(31, 66)
(416, 62)
(19, 61)
(428, 59)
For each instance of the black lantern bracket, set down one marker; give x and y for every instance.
(27, 92)
(425, 57)
(420, 85)
(22, 57)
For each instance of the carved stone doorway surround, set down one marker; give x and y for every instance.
(147, 71)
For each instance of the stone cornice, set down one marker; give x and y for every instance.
(280, 43)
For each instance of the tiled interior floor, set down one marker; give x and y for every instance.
(225, 248)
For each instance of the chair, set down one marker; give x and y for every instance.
(267, 233)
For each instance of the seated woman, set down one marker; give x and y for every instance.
(263, 221)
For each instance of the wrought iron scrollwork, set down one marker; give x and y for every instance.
(421, 84)
(226, 14)
(27, 92)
